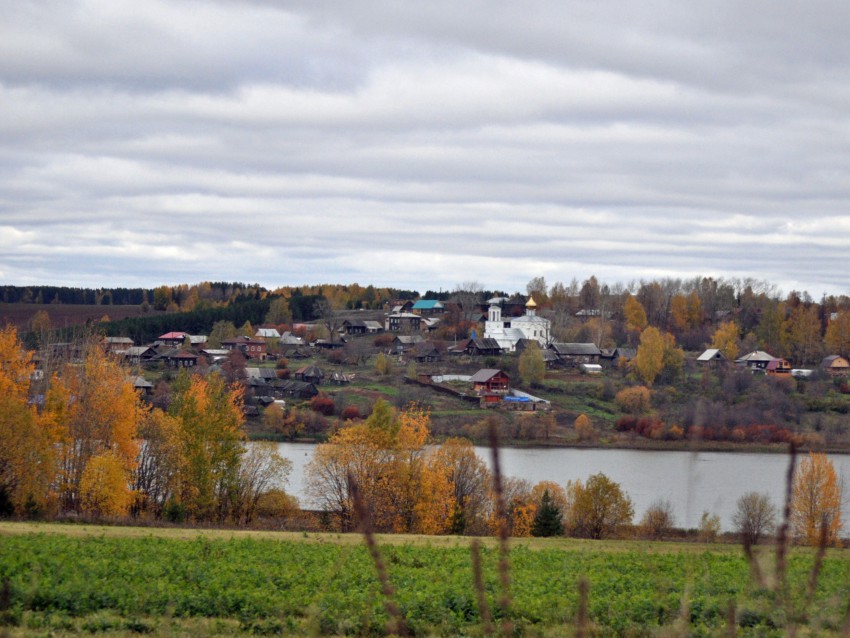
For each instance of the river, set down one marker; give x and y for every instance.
(693, 482)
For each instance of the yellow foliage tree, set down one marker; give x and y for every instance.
(837, 338)
(657, 351)
(584, 428)
(635, 314)
(386, 456)
(532, 366)
(634, 400)
(209, 412)
(27, 442)
(95, 409)
(470, 480)
(816, 501)
(725, 339)
(103, 486)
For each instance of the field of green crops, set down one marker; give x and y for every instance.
(228, 584)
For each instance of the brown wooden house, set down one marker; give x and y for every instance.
(835, 365)
(490, 381)
(251, 347)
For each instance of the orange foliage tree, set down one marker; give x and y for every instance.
(27, 442)
(816, 501)
(94, 410)
(385, 455)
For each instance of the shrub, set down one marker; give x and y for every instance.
(634, 400)
(350, 412)
(323, 404)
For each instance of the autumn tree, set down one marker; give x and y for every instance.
(816, 502)
(261, 469)
(656, 353)
(597, 508)
(385, 455)
(726, 339)
(634, 400)
(159, 462)
(210, 416)
(804, 335)
(532, 367)
(686, 311)
(383, 364)
(635, 314)
(98, 412)
(657, 520)
(755, 516)
(470, 479)
(27, 441)
(221, 331)
(103, 486)
(278, 312)
(837, 338)
(584, 428)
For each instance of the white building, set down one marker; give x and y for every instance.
(508, 332)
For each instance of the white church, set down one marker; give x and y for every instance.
(508, 332)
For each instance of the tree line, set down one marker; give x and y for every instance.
(81, 440)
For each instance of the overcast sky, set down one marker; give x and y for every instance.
(422, 144)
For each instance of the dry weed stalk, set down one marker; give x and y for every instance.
(581, 616)
(396, 625)
(502, 522)
(480, 594)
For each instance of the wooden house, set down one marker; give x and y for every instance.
(712, 358)
(404, 343)
(756, 360)
(490, 381)
(483, 347)
(835, 365)
(404, 322)
(251, 347)
(181, 359)
(172, 339)
(574, 354)
(778, 367)
(310, 374)
(426, 352)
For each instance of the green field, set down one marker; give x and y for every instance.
(127, 581)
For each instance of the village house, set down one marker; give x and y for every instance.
(427, 307)
(426, 352)
(756, 360)
(403, 322)
(574, 354)
(117, 344)
(405, 343)
(181, 359)
(778, 367)
(835, 365)
(137, 355)
(310, 374)
(712, 358)
(173, 339)
(490, 381)
(361, 327)
(251, 347)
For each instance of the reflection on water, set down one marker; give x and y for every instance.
(693, 482)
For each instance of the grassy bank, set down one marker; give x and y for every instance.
(65, 579)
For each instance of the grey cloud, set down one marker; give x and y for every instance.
(421, 144)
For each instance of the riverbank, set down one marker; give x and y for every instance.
(619, 443)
